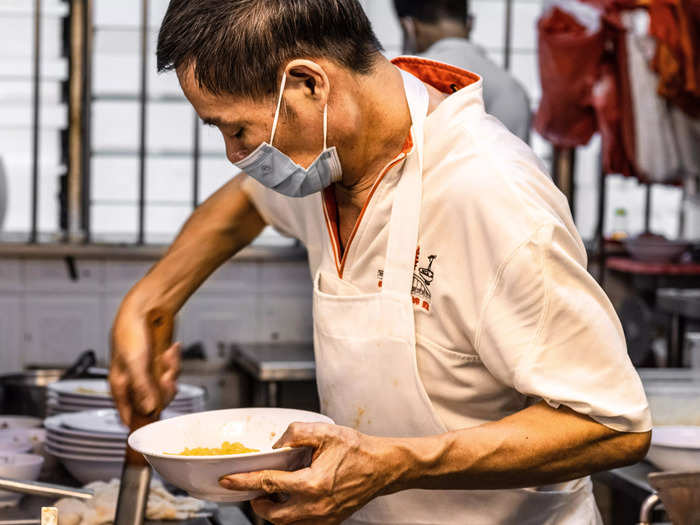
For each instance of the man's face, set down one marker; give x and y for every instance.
(246, 123)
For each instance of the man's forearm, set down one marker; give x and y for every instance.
(536, 446)
(217, 230)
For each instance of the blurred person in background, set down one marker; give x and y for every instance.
(440, 30)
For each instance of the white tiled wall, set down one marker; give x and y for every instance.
(47, 318)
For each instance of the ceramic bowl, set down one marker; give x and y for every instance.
(25, 467)
(257, 428)
(675, 448)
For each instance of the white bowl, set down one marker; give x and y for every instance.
(655, 250)
(34, 436)
(24, 467)
(675, 448)
(9, 422)
(88, 468)
(257, 428)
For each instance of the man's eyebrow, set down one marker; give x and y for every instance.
(215, 121)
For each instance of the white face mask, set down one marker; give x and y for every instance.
(277, 171)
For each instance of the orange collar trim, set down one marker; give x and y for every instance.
(443, 77)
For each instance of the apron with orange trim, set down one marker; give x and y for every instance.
(368, 378)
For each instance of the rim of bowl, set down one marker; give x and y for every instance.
(180, 457)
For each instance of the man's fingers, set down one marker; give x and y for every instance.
(118, 385)
(144, 394)
(267, 481)
(274, 511)
(169, 367)
(303, 435)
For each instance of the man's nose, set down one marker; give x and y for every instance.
(236, 154)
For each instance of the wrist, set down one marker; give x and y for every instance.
(413, 460)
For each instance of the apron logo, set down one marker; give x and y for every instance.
(422, 279)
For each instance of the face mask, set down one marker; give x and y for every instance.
(277, 171)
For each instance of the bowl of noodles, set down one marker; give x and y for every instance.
(194, 451)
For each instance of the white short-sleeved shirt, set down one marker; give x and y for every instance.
(506, 313)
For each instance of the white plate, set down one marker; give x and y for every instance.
(86, 450)
(104, 421)
(81, 388)
(56, 424)
(97, 443)
(99, 389)
(97, 424)
(7, 422)
(257, 428)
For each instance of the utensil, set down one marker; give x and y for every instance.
(24, 393)
(81, 365)
(36, 488)
(136, 476)
(257, 428)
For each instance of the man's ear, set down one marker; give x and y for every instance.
(308, 79)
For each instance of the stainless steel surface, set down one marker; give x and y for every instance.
(645, 515)
(133, 494)
(25, 393)
(680, 494)
(277, 362)
(44, 489)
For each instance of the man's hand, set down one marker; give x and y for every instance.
(132, 370)
(348, 470)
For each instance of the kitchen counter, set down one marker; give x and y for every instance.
(30, 508)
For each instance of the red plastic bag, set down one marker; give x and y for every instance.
(569, 60)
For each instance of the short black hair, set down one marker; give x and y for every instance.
(432, 11)
(239, 47)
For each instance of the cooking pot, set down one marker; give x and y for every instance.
(24, 393)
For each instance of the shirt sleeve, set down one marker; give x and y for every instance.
(549, 331)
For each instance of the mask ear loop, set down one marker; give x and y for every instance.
(279, 107)
(325, 127)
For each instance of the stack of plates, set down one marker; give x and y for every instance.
(90, 444)
(90, 394)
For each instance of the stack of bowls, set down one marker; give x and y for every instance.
(19, 436)
(90, 444)
(77, 395)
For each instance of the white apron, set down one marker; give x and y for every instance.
(368, 378)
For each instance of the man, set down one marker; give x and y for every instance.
(440, 30)
(461, 346)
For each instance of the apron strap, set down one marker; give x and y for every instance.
(405, 212)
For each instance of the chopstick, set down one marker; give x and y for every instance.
(44, 489)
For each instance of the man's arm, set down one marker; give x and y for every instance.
(537, 446)
(218, 229)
